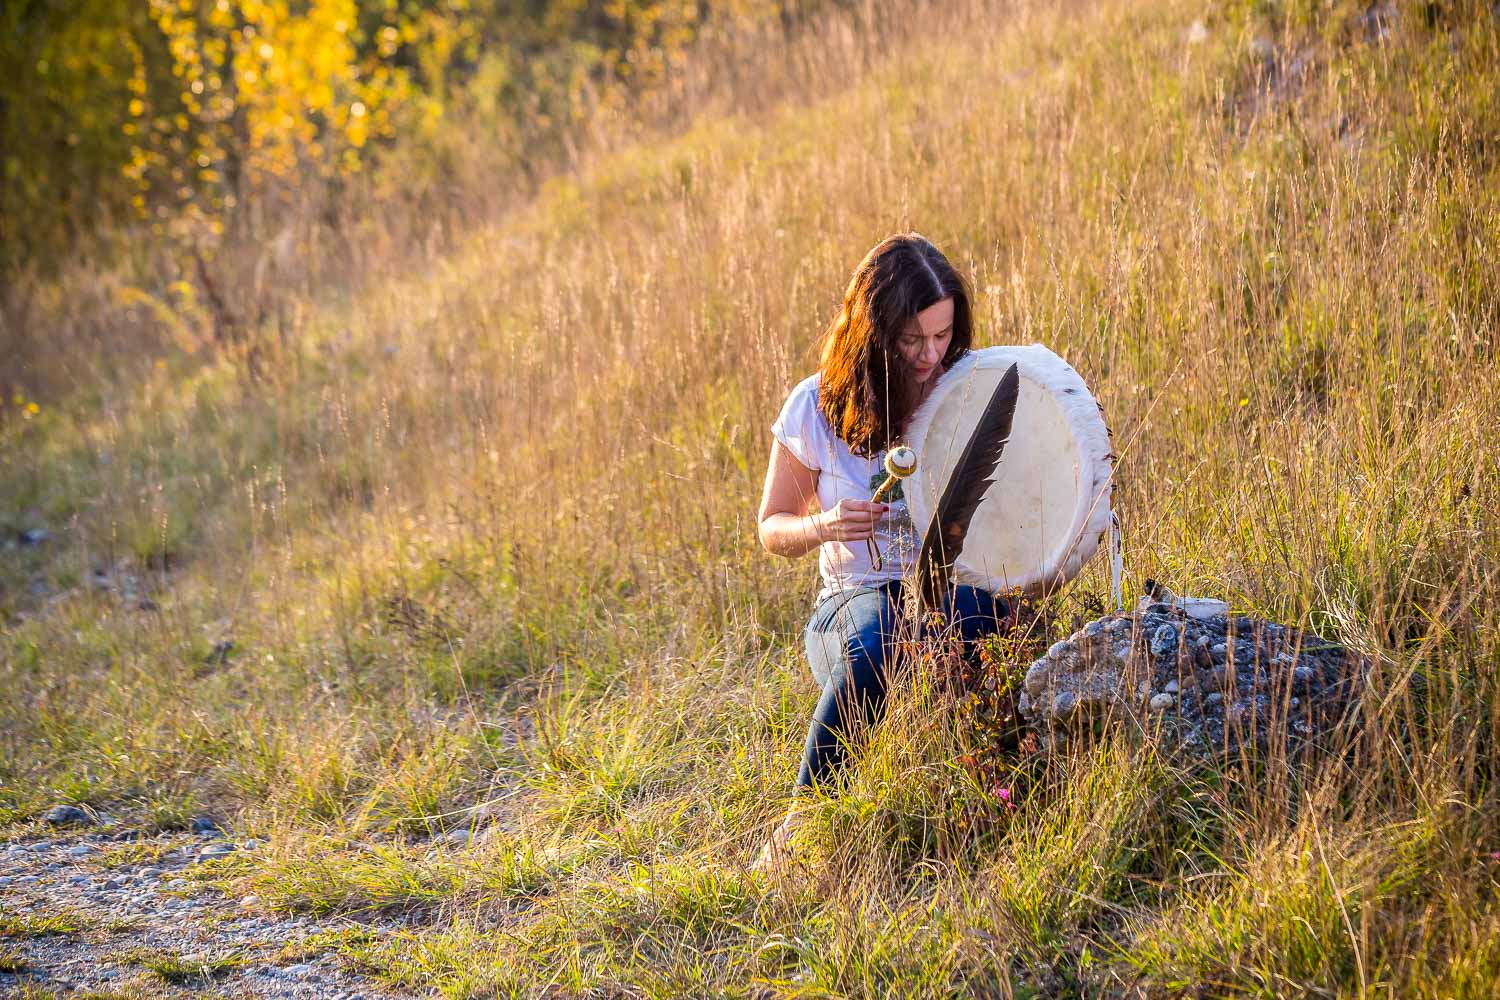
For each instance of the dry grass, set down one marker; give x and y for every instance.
(484, 532)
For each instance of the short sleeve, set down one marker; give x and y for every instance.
(800, 428)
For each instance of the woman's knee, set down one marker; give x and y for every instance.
(978, 612)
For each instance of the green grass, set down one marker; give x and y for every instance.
(177, 968)
(25, 925)
(141, 852)
(484, 534)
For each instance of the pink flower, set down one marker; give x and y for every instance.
(1004, 795)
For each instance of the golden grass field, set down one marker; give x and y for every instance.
(481, 527)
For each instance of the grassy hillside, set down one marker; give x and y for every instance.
(484, 534)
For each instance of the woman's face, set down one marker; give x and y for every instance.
(925, 340)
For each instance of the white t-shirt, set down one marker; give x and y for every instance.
(805, 432)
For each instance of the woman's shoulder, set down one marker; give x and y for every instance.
(802, 401)
(801, 426)
(807, 388)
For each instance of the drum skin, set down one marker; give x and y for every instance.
(1043, 517)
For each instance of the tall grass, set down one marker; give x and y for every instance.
(481, 532)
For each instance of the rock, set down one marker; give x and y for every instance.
(41, 847)
(215, 850)
(110, 885)
(249, 902)
(64, 815)
(252, 844)
(34, 536)
(1132, 665)
(80, 851)
(462, 837)
(178, 884)
(219, 655)
(1377, 20)
(203, 826)
(297, 970)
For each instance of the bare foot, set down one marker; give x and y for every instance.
(778, 851)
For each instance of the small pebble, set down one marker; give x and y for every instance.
(80, 851)
(249, 902)
(202, 825)
(1162, 702)
(214, 850)
(62, 815)
(1163, 640)
(110, 885)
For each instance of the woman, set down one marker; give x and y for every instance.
(905, 320)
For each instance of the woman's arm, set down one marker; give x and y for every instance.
(788, 525)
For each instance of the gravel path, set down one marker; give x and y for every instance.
(99, 910)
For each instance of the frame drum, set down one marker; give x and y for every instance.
(1048, 507)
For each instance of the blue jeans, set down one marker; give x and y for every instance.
(850, 640)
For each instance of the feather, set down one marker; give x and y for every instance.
(972, 476)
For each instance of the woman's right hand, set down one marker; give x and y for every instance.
(850, 520)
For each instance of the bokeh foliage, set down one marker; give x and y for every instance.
(181, 113)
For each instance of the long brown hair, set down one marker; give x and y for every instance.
(867, 389)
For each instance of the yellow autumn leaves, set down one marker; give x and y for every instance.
(271, 87)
